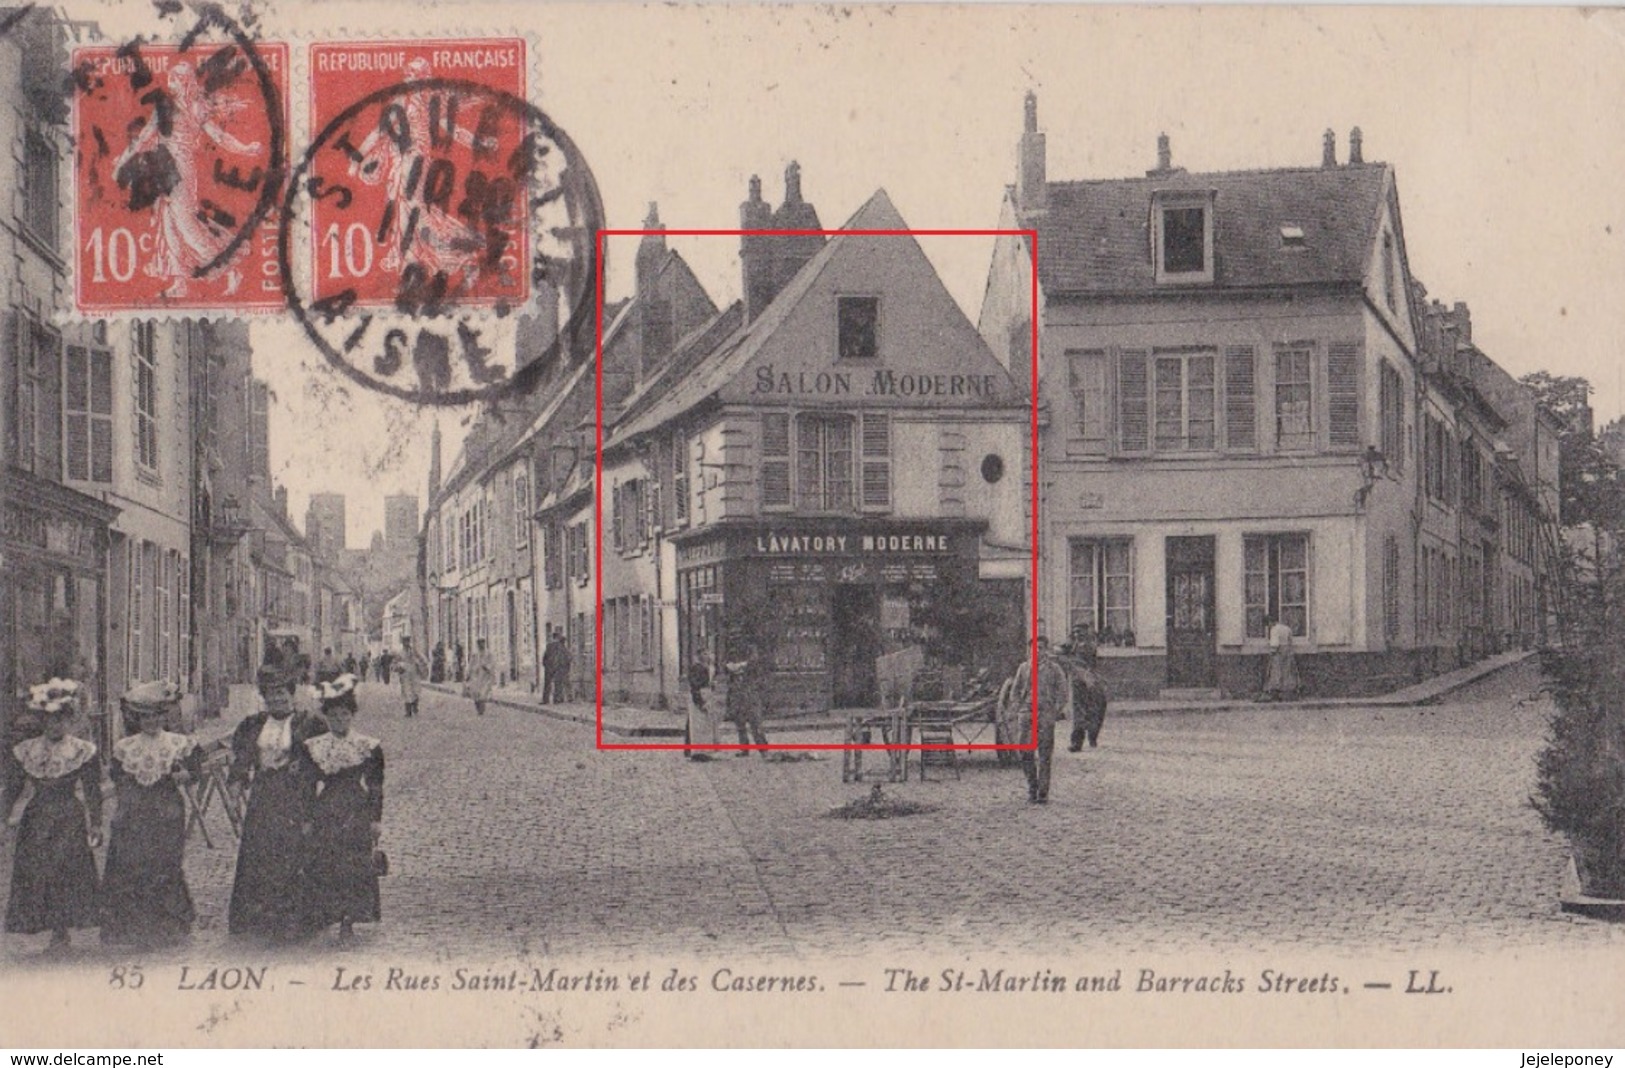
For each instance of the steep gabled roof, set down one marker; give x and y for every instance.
(1095, 236)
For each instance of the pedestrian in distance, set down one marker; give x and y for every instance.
(55, 808)
(437, 663)
(747, 699)
(411, 670)
(1089, 694)
(349, 664)
(1282, 682)
(460, 662)
(328, 667)
(146, 902)
(364, 667)
(482, 675)
(346, 815)
(386, 661)
(1054, 690)
(270, 895)
(701, 729)
(556, 669)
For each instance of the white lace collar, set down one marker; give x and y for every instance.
(333, 754)
(42, 758)
(150, 759)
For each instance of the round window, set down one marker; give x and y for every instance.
(992, 467)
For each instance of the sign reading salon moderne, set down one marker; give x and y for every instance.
(880, 382)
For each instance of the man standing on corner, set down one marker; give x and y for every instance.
(1054, 698)
(555, 670)
(747, 696)
(411, 669)
(1089, 694)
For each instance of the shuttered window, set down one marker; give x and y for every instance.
(876, 447)
(679, 479)
(1133, 404)
(775, 459)
(1294, 396)
(1240, 399)
(1343, 395)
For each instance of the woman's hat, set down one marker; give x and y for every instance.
(340, 690)
(157, 696)
(53, 697)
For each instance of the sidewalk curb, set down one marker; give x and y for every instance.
(1428, 692)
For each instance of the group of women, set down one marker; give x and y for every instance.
(308, 858)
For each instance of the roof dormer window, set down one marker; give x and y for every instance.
(1183, 235)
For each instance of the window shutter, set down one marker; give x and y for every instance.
(76, 408)
(652, 520)
(876, 447)
(615, 510)
(679, 479)
(1133, 406)
(775, 459)
(1240, 399)
(1343, 395)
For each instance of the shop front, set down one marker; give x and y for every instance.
(53, 597)
(823, 598)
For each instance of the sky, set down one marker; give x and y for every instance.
(1503, 126)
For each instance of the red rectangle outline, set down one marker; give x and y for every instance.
(598, 500)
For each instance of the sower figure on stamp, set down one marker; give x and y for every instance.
(411, 669)
(146, 900)
(1054, 698)
(270, 895)
(54, 885)
(346, 815)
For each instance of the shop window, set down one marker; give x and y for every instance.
(145, 340)
(1277, 582)
(1185, 402)
(1102, 588)
(1294, 396)
(858, 324)
(88, 414)
(824, 466)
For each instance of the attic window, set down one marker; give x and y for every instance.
(858, 327)
(1292, 237)
(1183, 236)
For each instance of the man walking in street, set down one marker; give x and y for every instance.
(481, 677)
(1054, 691)
(411, 669)
(1089, 694)
(747, 697)
(555, 670)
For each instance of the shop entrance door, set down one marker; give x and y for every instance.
(1192, 628)
(854, 645)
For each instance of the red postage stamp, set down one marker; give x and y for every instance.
(414, 203)
(182, 151)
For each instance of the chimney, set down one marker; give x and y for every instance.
(434, 462)
(756, 251)
(1328, 151)
(1463, 320)
(1356, 146)
(1032, 185)
(790, 252)
(651, 250)
(1165, 159)
(282, 503)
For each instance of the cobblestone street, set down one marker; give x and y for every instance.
(1392, 829)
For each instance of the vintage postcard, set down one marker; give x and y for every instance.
(683, 524)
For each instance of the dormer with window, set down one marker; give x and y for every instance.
(1182, 235)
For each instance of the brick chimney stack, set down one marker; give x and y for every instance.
(756, 250)
(1356, 146)
(1463, 319)
(1032, 184)
(651, 249)
(1328, 149)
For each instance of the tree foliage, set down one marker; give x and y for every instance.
(1589, 484)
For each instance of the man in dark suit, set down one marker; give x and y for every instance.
(1054, 689)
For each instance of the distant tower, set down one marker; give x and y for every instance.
(325, 524)
(401, 522)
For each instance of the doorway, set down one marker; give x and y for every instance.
(513, 638)
(854, 645)
(1192, 626)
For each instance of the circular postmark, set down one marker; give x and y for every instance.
(182, 154)
(440, 208)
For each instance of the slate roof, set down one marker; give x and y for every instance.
(735, 352)
(1096, 238)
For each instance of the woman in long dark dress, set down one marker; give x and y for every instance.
(346, 816)
(270, 895)
(145, 899)
(56, 808)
